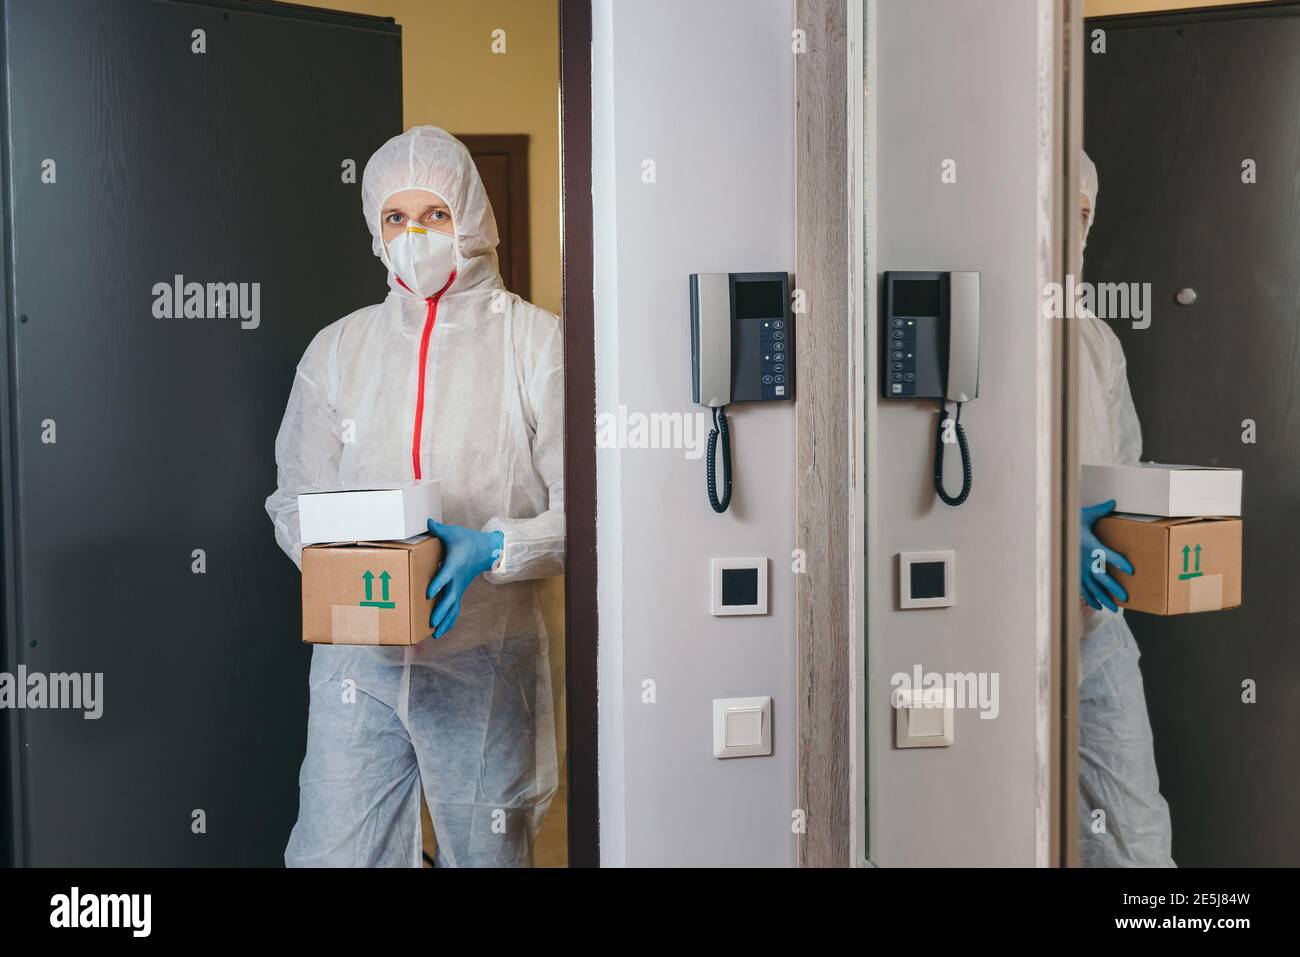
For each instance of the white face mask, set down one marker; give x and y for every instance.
(422, 258)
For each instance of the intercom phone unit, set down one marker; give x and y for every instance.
(742, 350)
(930, 349)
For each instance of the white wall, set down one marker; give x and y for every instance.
(958, 80)
(705, 89)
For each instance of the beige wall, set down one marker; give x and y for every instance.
(451, 78)
(1106, 8)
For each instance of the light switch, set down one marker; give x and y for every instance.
(742, 727)
(925, 722)
(924, 718)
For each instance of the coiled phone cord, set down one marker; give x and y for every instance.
(719, 429)
(938, 457)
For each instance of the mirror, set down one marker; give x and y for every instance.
(1191, 357)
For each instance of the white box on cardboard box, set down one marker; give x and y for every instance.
(375, 514)
(1170, 491)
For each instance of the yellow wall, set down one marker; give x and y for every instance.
(1106, 8)
(451, 78)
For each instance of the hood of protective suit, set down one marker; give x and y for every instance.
(1088, 186)
(425, 157)
(1109, 431)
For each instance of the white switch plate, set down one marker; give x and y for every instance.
(923, 718)
(742, 727)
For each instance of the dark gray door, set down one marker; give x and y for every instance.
(1172, 109)
(224, 166)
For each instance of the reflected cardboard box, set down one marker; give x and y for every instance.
(1171, 491)
(1181, 565)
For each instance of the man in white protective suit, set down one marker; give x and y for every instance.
(453, 378)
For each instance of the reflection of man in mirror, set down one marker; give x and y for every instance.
(1124, 820)
(452, 378)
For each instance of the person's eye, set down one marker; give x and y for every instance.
(395, 218)
(439, 216)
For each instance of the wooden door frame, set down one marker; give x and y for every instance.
(826, 502)
(1067, 136)
(577, 263)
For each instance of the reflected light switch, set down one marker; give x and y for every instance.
(742, 727)
(923, 719)
(924, 722)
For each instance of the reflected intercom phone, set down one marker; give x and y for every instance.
(742, 350)
(930, 349)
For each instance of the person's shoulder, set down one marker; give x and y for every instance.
(349, 323)
(1099, 329)
(535, 329)
(532, 315)
(325, 343)
(357, 317)
(1100, 339)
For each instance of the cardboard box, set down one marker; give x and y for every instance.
(368, 593)
(369, 515)
(1180, 565)
(1171, 491)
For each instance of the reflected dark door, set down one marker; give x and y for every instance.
(1173, 108)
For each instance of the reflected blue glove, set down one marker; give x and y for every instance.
(466, 555)
(1093, 559)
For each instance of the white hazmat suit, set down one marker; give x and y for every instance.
(469, 715)
(1117, 767)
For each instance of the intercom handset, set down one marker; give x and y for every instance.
(930, 328)
(742, 350)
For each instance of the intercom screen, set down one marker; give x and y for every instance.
(759, 300)
(916, 297)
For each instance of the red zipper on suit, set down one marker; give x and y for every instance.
(430, 318)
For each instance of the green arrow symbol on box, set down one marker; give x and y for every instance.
(369, 578)
(1192, 574)
(383, 579)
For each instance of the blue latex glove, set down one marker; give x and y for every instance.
(467, 553)
(1093, 559)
